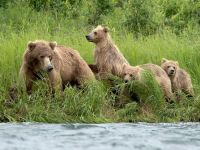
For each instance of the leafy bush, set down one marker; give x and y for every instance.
(69, 8)
(3, 3)
(144, 16)
(179, 14)
(99, 8)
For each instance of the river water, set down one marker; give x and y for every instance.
(116, 136)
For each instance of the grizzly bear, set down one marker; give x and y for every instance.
(180, 79)
(134, 73)
(108, 58)
(62, 65)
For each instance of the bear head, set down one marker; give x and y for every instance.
(170, 67)
(131, 73)
(98, 34)
(39, 55)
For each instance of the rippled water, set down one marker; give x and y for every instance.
(121, 136)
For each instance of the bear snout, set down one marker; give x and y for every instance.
(126, 81)
(87, 37)
(171, 72)
(49, 68)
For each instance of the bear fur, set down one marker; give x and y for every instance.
(180, 79)
(63, 65)
(94, 68)
(108, 58)
(134, 73)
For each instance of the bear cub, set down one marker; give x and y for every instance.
(108, 58)
(135, 73)
(180, 79)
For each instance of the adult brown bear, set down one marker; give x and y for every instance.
(63, 65)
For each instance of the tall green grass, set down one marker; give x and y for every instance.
(95, 102)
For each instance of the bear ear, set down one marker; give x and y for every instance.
(31, 45)
(124, 66)
(106, 29)
(163, 60)
(137, 69)
(53, 45)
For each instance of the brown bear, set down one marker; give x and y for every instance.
(108, 58)
(63, 65)
(134, 73)
(180, 79)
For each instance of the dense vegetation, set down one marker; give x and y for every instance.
(145, 31)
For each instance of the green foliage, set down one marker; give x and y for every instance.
(144, 16)
(70, 8)
(99, 9)
(79, 105)
(149, 92)
(129, 112)
(3, 3)
(179, 14)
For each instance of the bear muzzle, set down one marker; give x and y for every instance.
(88, 37)
(49, 68)
(126, 81)
(172, 72)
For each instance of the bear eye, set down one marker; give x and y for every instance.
(168, 66)
(95, 33)
(131, 75)
(124, 74)
(41, 56)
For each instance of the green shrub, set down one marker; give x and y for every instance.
(99, 8)
(143, 17)
(3, 3)
(180, 14)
